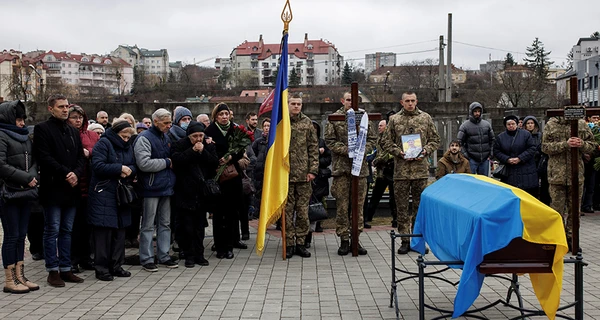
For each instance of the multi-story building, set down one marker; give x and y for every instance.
(21, 77)
(492, 66)
(316, 62)
(87, 71)
(416, 76)
(586, 65)
(153, 62)
(377, 60)
(222, 63)
(586, 48)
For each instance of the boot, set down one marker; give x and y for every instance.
(55, 280)
(344, 248)
(23, 279)
(11, 282)
(301, 251)
(289, 252)
(404, 247)
(68, 276)
(361, 251)
(308, 240)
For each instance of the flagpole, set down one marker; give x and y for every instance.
(286, 17)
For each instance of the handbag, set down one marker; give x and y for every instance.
(247, 184)
(316, 210)
(125, 194)
(229, 173)
(18, 193)
(211, 188)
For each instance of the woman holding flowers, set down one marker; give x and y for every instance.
(230, 148)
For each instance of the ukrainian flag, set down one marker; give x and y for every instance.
(277, 164)
(464, 217)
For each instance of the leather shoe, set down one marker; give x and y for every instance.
(55, 280)
(121, 273)
(289, 252)
(404, 247)
(367, 226)
(301, 251)
(229, 255)
(221, 255)
(201, 261)
(37, 256)
(70, 277)
(104, 276)
(240, 245)
(394, 224)
(245, 236)
(213, 247)
(587, 210)
(189, 262)
(88, 265)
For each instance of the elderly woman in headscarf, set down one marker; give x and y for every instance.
(18, 170)
(80, 245)
(113, 163)
(225, 215)
(515, 149)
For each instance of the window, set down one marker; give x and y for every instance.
(291, 56)
(254, 64)
(273, 64)
(274, 56)
(238, 67)
(69, 72)
(63, 65)
(325, 70)
(69, 65)
(325, 62)
(326, 79)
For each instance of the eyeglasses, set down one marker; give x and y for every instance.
(348, 99)
(76, 118)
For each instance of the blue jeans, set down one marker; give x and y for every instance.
(58, 227)
(155, 209)
(482, 168)
(15, 219)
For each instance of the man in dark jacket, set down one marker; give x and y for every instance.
(59, 154)
(477, 138)
(152, 155)
(193, 161)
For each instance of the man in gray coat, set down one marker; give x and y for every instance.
(477, 138)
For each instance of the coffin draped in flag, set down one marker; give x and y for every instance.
(277, 165)
(464, 217)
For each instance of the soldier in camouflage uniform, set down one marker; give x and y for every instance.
(410, 175)
(304, 167)
(336, 138)
(557, 143)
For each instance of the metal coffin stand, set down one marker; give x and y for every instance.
(518, 257)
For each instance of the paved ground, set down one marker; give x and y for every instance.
(325, 286)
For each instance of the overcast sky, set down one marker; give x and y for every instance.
(202, 29)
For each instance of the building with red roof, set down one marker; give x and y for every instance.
(317, 62)
(21, 77)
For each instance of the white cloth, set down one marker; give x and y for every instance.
(359, 150)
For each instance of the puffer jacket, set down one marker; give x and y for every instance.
(110, 154)
(336, 138)
(476, 136)
(304, 149)
(17, 165)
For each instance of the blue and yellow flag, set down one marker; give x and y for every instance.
(464, 217)
(277, 164)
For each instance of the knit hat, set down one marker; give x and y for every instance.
(20, 111)
(194, 127)
(511, 117)
(141, 125)
(181, 112)
(119, 125)
(95, 126)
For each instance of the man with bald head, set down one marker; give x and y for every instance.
(102, 119)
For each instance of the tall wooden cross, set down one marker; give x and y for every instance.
(573, 113)
(354, 193)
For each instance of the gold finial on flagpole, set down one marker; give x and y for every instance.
(286, 15)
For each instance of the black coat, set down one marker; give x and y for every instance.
(191, 168)
(321, 183)
(58, 150)
(524, 174)
(109, 155)
(259, 146)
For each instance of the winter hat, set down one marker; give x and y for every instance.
(95, 126)
(181, 112)
(194, 127)
(20, 111)
(511, 117)
(119, 125)
(140, 125)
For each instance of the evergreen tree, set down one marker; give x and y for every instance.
(171, 78)
(595, 35)
(509, 61)
(224, 77)
(570, 60)
(294, 79)
(347, 75)
(537, 59)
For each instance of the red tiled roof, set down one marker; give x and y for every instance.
(298, 49)
(259, 93)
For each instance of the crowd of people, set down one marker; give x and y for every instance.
(107, 185)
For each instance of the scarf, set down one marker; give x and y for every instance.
(357, 145)
(19, 134)
(224, 128)
(177, 132)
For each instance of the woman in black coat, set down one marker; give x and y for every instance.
(230, 202)
(17, 171)
(515, 149)
(193, 159)
(113, 162)
(259, 147)
(320, 185)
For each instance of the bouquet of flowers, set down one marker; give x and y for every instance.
(238, 140)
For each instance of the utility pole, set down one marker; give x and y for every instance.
(449, 65)
(441, 79)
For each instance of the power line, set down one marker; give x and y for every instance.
(503, 50)
(398, 45)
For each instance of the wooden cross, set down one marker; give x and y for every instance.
(354, 193)
(573, 113)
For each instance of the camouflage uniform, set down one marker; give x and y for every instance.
(554, 143)
(336, 138)
(304, 159)
(410, 177)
